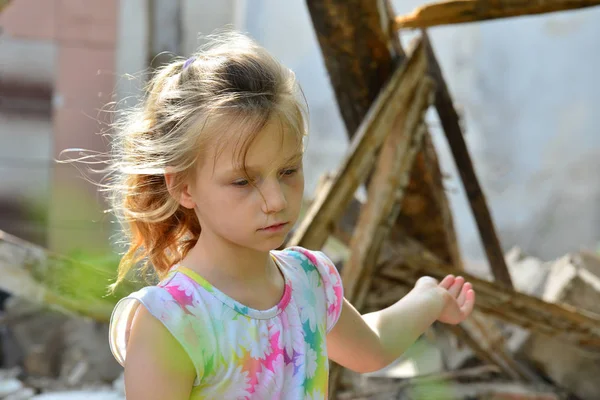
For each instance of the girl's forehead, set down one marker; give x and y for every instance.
(272, 146)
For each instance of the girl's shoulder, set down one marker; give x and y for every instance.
(316, 273)
(169, 302)
(310, 260)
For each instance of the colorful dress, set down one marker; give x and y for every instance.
(239, 352)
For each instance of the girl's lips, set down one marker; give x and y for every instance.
(274, 227)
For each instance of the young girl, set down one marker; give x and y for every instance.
(209, 182)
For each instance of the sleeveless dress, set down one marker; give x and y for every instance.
(239, 352)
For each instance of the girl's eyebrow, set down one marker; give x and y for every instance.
(293, 159)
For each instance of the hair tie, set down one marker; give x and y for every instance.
(188, 62)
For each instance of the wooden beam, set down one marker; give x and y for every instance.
(462, 11)
(425, 211)
(451, 126)
(385, 193)
(356, 52)
(331, 202)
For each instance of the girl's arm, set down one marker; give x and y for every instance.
(156, 366)
(372, 341)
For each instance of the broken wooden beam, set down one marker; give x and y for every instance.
(463, 11)
(328, 206)
(451, 127)
(386, 190)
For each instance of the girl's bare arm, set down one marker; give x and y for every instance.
(156, 366)
(370, 342)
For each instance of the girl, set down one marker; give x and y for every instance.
(209, 182)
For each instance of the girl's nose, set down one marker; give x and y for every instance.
(274, 198)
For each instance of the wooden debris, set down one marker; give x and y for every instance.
(577, 326)
(462, 11)
(385, 192)
(361, 52)
(451, 126)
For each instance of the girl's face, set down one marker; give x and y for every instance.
(255, 211)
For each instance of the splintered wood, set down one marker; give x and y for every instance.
(462, 11)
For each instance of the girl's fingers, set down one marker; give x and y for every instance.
(469, 303)
(454, 290)
(463, 294)
(447, 282)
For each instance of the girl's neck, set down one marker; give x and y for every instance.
(213, 257)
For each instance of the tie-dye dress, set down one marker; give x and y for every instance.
(240, 352)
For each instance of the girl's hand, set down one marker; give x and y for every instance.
(459, 297)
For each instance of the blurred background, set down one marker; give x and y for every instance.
(527, 89)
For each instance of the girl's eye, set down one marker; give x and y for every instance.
(241, 183)
(289, 172)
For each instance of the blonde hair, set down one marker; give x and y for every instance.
(230, 83)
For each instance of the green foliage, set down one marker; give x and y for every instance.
(79, 283)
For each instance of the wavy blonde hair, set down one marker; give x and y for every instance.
(230, 83)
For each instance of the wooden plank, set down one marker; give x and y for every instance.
(385, 193)
(331, 202)
(451, 126)
(462, 11)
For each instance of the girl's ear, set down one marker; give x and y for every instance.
(180, 192)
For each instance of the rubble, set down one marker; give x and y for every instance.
(12, 388)
(572, 280)
(59, 356)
